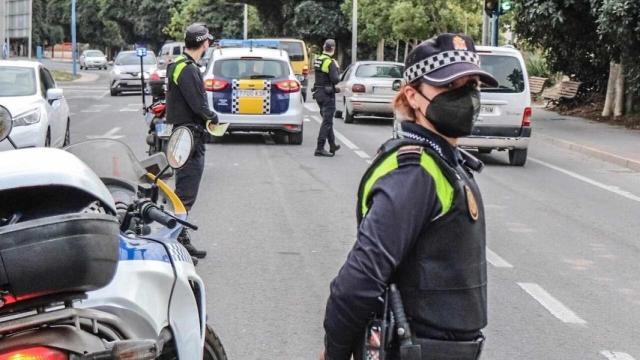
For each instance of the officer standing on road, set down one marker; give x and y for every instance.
(187, 106)
(421, 217)
(327, 75)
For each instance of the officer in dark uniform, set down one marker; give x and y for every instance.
(187, 106)
(327, 75)
(420, 215)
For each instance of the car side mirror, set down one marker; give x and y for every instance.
(397, 84)
(54, 94)
(161, 62)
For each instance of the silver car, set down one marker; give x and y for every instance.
(93, 59)
(366, 89)
(125, 74)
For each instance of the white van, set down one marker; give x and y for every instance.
(504, 122)
(169, 52)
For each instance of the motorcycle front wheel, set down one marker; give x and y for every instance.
(213, 349)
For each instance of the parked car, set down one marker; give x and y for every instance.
(38, 107)
(169, 52)
(125, 74)
(93, 59)
(255, 89)
(366, 89)
(505, 116)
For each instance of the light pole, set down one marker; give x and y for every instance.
(30, 27)
(73, 37)
(354, 32)
(246, 21)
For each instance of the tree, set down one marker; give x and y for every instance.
(566, 30)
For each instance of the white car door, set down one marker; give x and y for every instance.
(55, 109)
(343, 86)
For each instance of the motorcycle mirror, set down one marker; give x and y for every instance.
(6, 123)
(179, 147)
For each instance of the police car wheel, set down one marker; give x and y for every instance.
(296, 138)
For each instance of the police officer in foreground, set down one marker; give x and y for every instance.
(421, 217)
(327, 75)
(187, 106)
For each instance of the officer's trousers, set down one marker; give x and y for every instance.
(327, 106)
(188, 178)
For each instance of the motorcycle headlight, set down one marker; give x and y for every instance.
(28, 118)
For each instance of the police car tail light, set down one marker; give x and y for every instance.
(288, 86)
(215, 85)
(358, 88)
(34, 353)
(526, 117)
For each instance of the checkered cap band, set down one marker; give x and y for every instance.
(438, 61)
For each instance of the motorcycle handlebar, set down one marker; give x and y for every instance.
(151, 212)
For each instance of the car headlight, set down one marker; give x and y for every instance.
(28, 118)
(146, 75)
(116, 71)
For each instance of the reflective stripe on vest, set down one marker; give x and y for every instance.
(180, 65)
(325, 62)
(444, 189)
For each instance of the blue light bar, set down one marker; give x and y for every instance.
(251, 43)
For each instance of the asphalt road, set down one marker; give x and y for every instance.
(278, 222)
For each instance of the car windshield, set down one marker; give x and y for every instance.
(110, 159)
(294, 49)
(250, 69)
(17, 81)
(380, 71)
(507, 70)
(94, 53)
(131, 58)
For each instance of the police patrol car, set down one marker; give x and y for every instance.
(253, 88)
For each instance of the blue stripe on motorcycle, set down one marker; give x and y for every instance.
(141, 249)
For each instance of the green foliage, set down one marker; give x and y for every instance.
(316, 21)
(537, 65)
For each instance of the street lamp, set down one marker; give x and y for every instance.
(73, 37)
(354, 32)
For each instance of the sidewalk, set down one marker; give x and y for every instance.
(606, 142)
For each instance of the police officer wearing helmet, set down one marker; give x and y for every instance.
(187, 106)
(327, 75)
(421, 216)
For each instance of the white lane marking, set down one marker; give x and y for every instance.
(105, 94)
(614, 355)
(610, 188)
(91, 111)
(495, 260)
(362, 154)
(338, 134)
(111, 134)
(553, 305)
(128, 110)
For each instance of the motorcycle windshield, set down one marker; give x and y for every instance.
(109, 159)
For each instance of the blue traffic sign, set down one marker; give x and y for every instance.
(142, 52)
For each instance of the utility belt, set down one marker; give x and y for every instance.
(390, 338)
(327, 89)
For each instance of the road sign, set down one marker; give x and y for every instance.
(141, 52)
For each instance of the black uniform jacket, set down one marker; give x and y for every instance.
(404, 202)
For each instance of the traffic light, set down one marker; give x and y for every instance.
(505, 6)
(491, 7)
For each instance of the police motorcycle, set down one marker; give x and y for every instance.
(155, 116)
(89, 265)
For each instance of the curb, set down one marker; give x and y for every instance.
(593, 152)
(86, 78)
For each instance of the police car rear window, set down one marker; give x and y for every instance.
(250, 69)
(507, 70)
(380, 71)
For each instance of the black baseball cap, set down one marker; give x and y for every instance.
(196, 34)
(443, 59)
(329, 45)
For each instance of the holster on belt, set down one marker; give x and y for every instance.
(448, 350)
